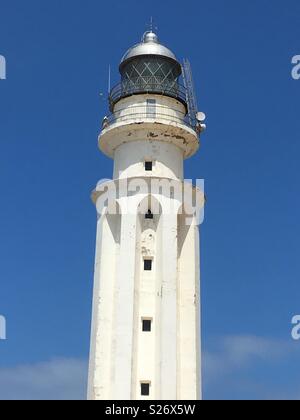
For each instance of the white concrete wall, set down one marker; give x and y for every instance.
(188, 304)
(122, 355)
(130, 159)
(133, 120)
(136, 106)
(107, 255)
(168, 319)
(146, 292)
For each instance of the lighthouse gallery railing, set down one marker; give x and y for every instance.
(144, 112)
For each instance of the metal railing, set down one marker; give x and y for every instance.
(150, 113)
(149, 84)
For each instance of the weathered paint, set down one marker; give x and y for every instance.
(122, 355)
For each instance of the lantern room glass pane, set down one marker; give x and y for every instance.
(150, 74)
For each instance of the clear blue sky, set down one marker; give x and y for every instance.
(50, 112)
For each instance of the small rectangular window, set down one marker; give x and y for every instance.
(148, 166)
(147, 325)
(147, 265)
(145, 389)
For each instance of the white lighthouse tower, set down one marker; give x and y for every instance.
(146, 312)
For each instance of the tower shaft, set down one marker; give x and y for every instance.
(146, 310)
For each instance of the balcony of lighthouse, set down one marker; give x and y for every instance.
(149, 116)
(148, 84)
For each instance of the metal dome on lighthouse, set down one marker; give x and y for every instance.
(149, 45)
(149, 67)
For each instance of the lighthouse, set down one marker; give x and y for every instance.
(146, 330)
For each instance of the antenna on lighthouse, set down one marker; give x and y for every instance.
(190, 90)
(151, 26)
(109, 79)
(196, 118)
